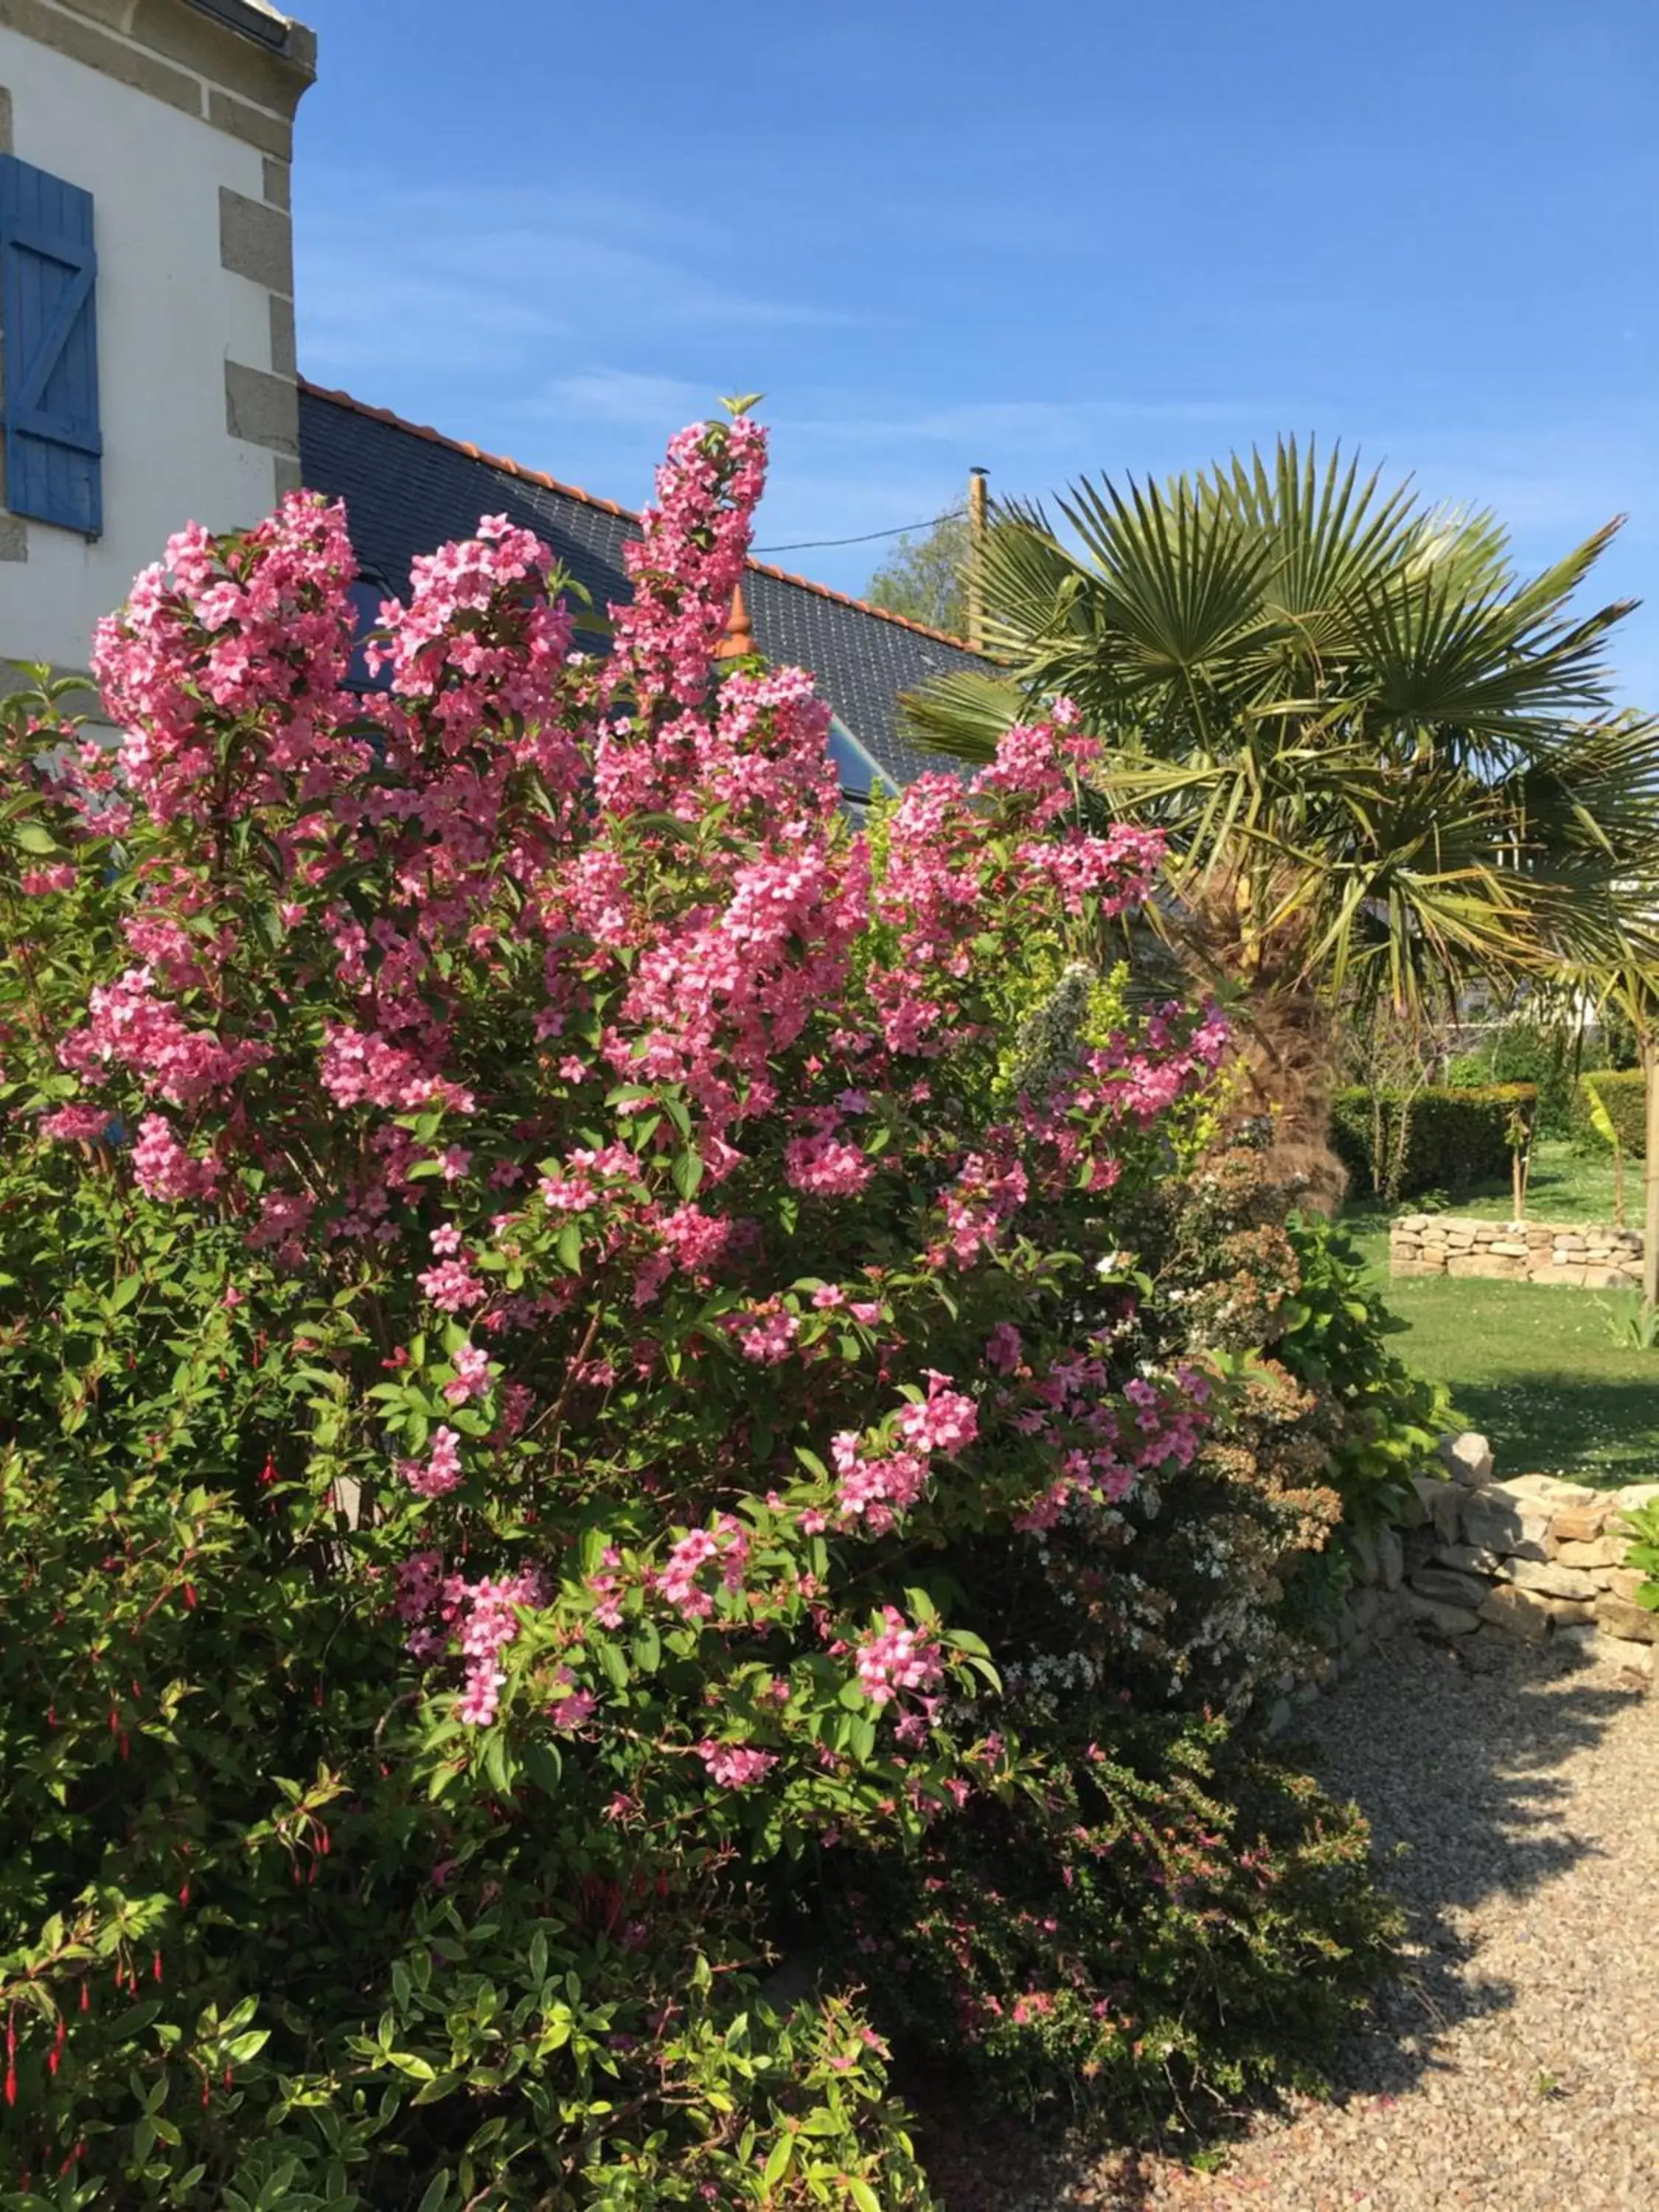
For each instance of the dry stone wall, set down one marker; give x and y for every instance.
(1588, 1253)
(1534, 1556)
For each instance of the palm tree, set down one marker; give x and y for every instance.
(1385, 763)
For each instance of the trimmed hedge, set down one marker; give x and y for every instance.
(1554, 1058)
(1623, 1093)
(1456, 1138)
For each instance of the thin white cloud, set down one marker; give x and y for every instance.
(482, 280)
(624, 397)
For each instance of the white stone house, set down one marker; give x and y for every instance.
(149, 378)
(147, 346)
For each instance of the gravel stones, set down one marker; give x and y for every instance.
(1516, 2067)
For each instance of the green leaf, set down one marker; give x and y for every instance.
(779, 2161)
(569, 1247)
(688, 1173)
(542, 1763)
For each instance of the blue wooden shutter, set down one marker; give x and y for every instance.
(48, 328)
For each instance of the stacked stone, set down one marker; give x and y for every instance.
(1535, 1557)
(1590, 1255)
(1377, 1604)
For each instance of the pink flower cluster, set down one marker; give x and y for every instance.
(482, 1615)
(471, 1378)
(875, 1486)
(163, 1168)
(735, 1765)
(946, 1420)
(687, 560)
(676, 1582)
(262, 631)
(479, 641)
(440, 1473)
(130, 1026)
(896, 1657)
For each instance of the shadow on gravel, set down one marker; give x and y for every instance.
(1455, 1754)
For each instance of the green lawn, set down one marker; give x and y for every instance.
(1566, 1185)
(1538, 1370)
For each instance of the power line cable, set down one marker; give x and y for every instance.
(868, 537)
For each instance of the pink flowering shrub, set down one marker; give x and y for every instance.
(623, 1291)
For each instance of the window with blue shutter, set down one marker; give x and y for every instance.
(49, 333)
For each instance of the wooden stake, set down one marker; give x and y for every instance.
(977, 528)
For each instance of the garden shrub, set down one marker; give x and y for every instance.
(1623, 1096)
(572, 1350)
(1554, 1060)
(1456, 1138)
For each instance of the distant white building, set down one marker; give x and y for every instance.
(147, 349)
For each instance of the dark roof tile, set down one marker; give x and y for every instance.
(408, 488)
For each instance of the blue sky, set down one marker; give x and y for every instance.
(1082, 237)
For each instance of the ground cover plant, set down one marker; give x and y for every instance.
(585, 1350)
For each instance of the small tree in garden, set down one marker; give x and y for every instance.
(924, 578)
(557, 1304)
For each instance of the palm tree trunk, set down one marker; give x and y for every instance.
(1650, 1233)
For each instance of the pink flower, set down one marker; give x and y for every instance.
(453, 1286)
(946, 1420)
(1003, 1348)
(38, 883)
(735, 1765)
(76, 1125)
(826, 1166)
(770, 1337)
(442, 1471)
(896, 1657)
(163, 1168)
(471, 1377)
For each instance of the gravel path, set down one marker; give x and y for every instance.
(1516, 2067)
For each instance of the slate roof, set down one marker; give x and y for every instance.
(408, 488)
